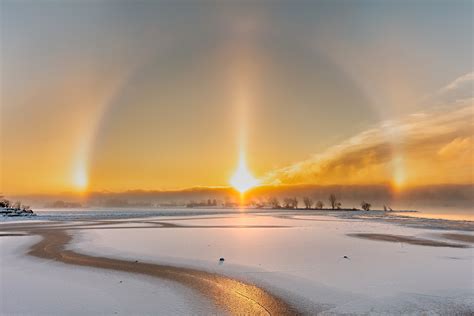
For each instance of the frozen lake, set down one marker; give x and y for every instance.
(296, 255)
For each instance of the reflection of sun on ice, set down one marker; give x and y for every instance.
(243, 180)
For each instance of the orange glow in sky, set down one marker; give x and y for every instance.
(173, 108)
(80, 178)
(243, 180)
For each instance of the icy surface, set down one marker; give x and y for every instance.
(297, 255)
(32, 286)
(444, 219)
(304, 260)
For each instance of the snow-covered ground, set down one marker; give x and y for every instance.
(299, 257)
(304, 261)
(30, 286)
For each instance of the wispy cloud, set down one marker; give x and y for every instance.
(461, 82)
(459, 146)
(460, 89)
(428, 147)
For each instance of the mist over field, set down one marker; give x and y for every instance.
(350, 196)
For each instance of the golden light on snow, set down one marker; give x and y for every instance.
(243, 180)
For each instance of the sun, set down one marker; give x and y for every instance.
(243, 180)
(80, 178)
(399, 176)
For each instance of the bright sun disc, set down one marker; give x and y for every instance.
(243, 180)
(80, 179)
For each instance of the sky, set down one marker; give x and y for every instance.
(120, 95)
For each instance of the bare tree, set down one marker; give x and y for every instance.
(290, 203)
(295, 202)
(5, 203)
(274, 203)
(17, 205)
(365, 206)
(320, 205)
(308, 202)
(333, 201)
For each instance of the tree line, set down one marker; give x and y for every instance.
(4, 203)
(292, 203)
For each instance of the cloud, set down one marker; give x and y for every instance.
(459, 146)
(460, 89)
(460, 83)
(429, 147)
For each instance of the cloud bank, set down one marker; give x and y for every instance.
(429, 147)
